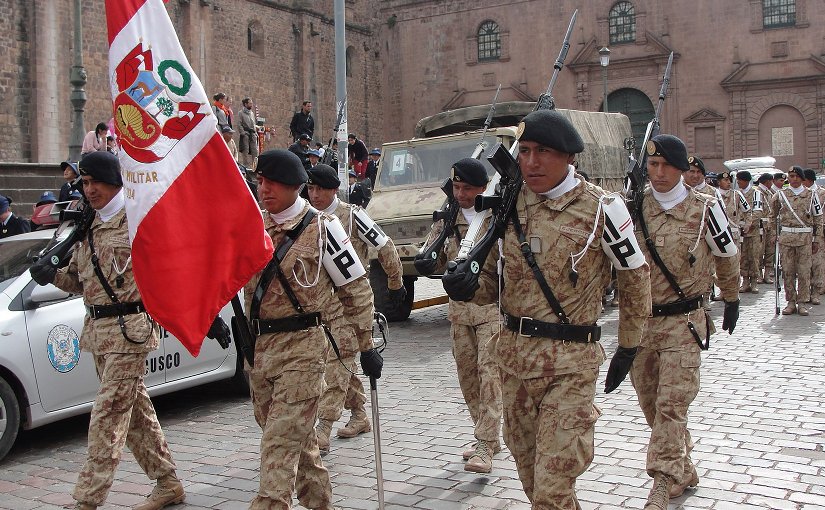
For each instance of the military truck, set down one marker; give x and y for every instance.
(410, 172)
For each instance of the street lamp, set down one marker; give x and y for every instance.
(77, 77)
(604, 59)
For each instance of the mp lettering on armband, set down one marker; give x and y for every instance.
(816, 205)
(718, 235)
(757, 200)
(368, 230)
(340, 260)
(744, 201)
(618, 241)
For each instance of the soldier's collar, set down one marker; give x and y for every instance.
(557, 204)
(269, 221)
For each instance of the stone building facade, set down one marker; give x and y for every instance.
(748, 76)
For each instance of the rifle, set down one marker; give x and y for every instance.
(59, 251)
(461, 278)
(426, 259)
(637, 169)
(777, 268)
(327, 159)
(242, 331)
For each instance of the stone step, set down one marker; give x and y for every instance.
(24, 183)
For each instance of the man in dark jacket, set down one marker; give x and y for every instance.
(10, 224)
(302, 122)
(357, 151)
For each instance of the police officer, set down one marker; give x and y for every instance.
(549, 352)
(118, 334)
(10, 223)
(818, 247)
(284, 302)
(474, 323)
(343, 388)
(796, 210)
(689, 233)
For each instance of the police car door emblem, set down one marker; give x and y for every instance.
(63, 348)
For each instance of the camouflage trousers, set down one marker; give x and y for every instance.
(548, 426)
(818, 266)
(286, 407)
(769, 250)
(666, 382)
(122, 415)
(479, 377)
(749, 261)
(796, 272)
(343, 389)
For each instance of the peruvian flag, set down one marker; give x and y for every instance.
(197, 234)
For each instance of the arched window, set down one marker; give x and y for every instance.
(254, 37)
(638, 108)
(489, 41)
(622, 22)
(778, 13)
(349, 56)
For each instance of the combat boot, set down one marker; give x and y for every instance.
(168, 491)
(482, 459)
(753, 285)
(815, 299)
(745, 287)
(322, 432)
(790, 309)
(660, 493)
(801, 310)
(691, 480)
(357, 424)
(469, 452)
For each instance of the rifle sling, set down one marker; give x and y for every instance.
(531, 261)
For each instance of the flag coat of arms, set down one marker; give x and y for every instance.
(197, 234)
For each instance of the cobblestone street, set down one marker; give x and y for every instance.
(758, 424)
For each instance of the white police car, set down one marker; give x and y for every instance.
(43, 375)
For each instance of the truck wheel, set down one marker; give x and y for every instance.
(9, 417)
(394, 311)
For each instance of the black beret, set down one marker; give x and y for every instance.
(744, 175)
(810, 174)
(282, 166)
(670, 148)
(779, 175)
(324, 176)
(698, 163)
(726, 175)
(764, 178)
(469, 170)
(551, 129)
(797, 170)
(102, 166)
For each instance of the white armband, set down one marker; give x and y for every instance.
(618, 240)
(718, 235)
(757, 200)
(816, 205)
(340, 259)
(743, 201)
(368, 230)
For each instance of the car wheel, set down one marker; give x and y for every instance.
(9, 417)
(393, 310)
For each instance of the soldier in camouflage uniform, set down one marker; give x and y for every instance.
(796, 211)
(751, 247)
(287, 377)
(123, 413)
(736, 207)
(768, 230)
(474, 323)
(690, 233)
(818, 246)
(343, 387)
(550, 360)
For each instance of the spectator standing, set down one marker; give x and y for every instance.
(95, 140)
(249, 134)
(358, 155)
(302, 122)
(372, 166)
(70, 173)
(10, 224)
(357, 193)
(227, 133)
(314, 156)
(301, 149)
(320, 148)
(222, 111)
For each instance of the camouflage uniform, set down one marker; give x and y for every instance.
(344, 389)
(288, 375)
(123, 413)
(739, 213)
(472, 326)
(548, 385)
(795, 241)
(818, 253)
(769, 237)
(665, 372)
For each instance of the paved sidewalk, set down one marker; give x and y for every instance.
(758, 424)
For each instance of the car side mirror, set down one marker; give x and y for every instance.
(46, 293)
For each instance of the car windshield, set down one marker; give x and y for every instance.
(16, 257)
(428, 163)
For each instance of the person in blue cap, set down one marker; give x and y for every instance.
(372, 166)
(10, 224)
(70, 173)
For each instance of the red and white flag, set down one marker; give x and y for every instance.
(197, 234)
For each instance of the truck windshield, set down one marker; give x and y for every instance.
(427, 163)
(16, 257)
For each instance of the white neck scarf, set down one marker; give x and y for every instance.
(702, 185)
(797, 191)
(748, 188)
(333, 206)
(564, 186)
(290, 212)
(110, 210)
(672, 198)
(469, 213)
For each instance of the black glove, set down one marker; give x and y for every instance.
(42, 272)
(371, 363)
(460, 286)
(424, 264)
(220, 331)
(397, 295)
(619, 367)
(730, 316)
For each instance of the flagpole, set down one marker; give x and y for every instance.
(341, 93)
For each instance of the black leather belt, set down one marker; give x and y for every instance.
(678, 307)
(115, 310)
(525, 326)
(293, 323)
